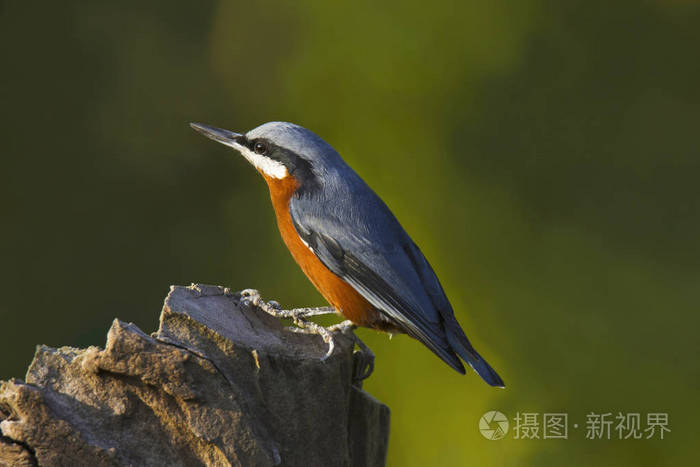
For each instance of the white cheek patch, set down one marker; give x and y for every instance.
(269, 167)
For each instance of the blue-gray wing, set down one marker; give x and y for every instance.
(381, 271)
(363, 243)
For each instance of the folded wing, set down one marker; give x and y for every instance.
(369, 250)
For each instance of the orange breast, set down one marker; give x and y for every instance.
(339, 294)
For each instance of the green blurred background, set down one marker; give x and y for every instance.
(543, 154)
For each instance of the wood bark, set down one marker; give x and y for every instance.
(219, 383)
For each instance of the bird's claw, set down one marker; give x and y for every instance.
(309, 327)
(363, 359)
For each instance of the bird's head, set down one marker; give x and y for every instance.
(279, 150)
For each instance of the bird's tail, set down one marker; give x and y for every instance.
(460, 344)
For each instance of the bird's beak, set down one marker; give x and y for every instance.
(229, 138)
(263, 164)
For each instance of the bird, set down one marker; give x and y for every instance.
(349, 244)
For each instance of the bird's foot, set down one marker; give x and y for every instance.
(273, 308)
(309, 327)
(363, 359)
(297, 315)
(363, 362)
(316, 311)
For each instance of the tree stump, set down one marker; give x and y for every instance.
(218, 384)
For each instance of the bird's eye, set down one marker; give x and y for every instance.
(260, 147)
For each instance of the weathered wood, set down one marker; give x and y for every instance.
(217, 384)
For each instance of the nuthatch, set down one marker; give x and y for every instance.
(348, 242)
